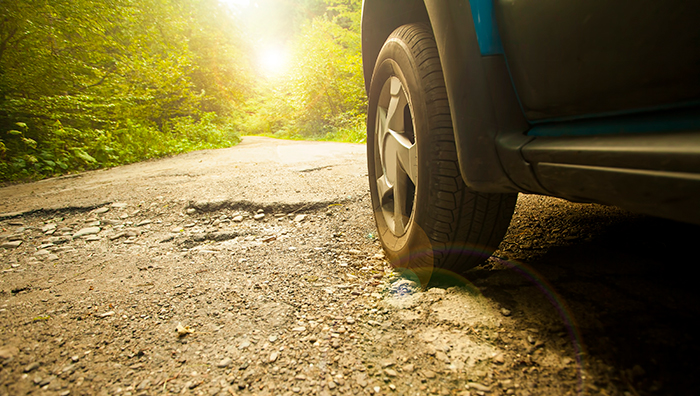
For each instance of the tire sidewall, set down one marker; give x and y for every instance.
(396, 60)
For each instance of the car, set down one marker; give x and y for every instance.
(473, 102)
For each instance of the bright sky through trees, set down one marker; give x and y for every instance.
(86, 84)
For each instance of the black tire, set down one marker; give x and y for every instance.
(426, 217)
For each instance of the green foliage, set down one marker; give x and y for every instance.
(86, 84)
(322, 96)
(93, 83)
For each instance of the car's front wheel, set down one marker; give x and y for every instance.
(426, 216)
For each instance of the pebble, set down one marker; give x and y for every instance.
(259, 216)
(299, 218)
(120, 205)
(101, 210)
(505, 312)
(478, 386)
(92, 238)
(86, 231)
(11, 245)
(144, 222)
(48, 227)
(225, 362)
(429, 374)
(31, 367)
(390, 372)
(237, 219)
(273, 357)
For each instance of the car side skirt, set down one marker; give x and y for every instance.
(657, 174)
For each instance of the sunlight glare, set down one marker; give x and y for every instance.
(273, 60)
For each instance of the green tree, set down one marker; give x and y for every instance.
(322, 96)
(101, 82)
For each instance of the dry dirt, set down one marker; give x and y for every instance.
(255, 270)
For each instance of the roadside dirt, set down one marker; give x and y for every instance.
(255, 270)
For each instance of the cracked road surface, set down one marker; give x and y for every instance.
(255, 270)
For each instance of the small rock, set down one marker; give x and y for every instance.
(272, 338)
(47, 380)
(48, 227)
(92, 238)
(42, 253)
(120, 205)
(499, 359)
(10, 245)
(429, 374)
(273, 357)
(237, 219)
(478, 386)
(86, 231)
(144, 385)
(259, 216)
(390, 372)
(331, 385)
(505, 312)
(144, 222)
(101, 210)
(299, 218)
(225, 362)
(31, 367)
(107, 314)
(244, 344)
(299, 329)
(190, 210)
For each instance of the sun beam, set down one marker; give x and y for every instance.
(272, 60)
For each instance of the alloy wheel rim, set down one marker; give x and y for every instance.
(396, 151)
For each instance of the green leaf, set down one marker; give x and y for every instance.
(14, 132)
(83, 155)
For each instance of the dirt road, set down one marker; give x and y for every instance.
(255, 270)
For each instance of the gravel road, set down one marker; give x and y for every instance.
(255, 270)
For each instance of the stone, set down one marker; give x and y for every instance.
(390, 372)
(259, 216)
(478, 386)
(237, 219)
(273, 357)
(11, 245)
(101, 210)
(86, 231)
(8, 352)
(299, 218)
(225, 362)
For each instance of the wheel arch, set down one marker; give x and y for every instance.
(478, 88)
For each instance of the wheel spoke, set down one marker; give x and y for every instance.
(398, 158)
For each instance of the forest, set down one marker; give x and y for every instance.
(88, 84)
